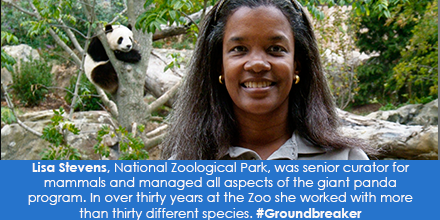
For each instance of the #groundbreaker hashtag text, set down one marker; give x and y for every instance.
(310, 213)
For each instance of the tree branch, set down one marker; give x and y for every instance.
(65, 47)
(20, 8)
(169, 32)
(156, 131)
(11, 106)
(151, 143)
(78, 79)
(191, 19)
(179, 30)
(72, 37)
(107, 102)
(164, 98)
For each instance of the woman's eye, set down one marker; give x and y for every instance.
(277, 49)
(238, 49)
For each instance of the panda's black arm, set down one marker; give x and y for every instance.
(133, 56)
(96, 50)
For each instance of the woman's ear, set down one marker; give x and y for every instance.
(297, 68)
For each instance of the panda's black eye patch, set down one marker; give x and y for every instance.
(120, 40)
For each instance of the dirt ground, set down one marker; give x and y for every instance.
(52, 101)
(365, 109)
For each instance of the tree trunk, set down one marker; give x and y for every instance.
(129, 97)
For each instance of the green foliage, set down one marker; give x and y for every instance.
(416, 74)
(337, 46)
(406, 69)
(33, 32)
(100, 148)
(8, 38)
(427, 99)
(88, 99)
(51, 12)
(30, 84)
(390, 106)
(54, 134)
(7, 116)
(130, 147)
(177, 60)
(7, 60)
(108, 10)
(168, 12)
(360, 7)
(172, 12)
(164, 12)
(182, 42)
(11, 23)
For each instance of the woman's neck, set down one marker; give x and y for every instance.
(263, 134)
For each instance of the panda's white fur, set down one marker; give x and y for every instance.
(97, 66)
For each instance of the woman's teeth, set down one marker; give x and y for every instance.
(257, 84)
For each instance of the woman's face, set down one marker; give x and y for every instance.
(258, 60)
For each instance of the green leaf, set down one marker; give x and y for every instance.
(173, 15)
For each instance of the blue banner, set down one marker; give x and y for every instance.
(219, 189)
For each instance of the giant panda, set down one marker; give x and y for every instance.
(97, 65)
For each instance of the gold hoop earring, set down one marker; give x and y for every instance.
(297, 79)
(220, 79)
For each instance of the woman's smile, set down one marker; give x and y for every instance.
(257, 85)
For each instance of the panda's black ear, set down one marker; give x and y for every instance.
(108, 28)
(129, 26)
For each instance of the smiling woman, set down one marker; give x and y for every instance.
(243, 97)
(258, 68)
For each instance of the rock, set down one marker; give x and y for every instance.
(394, 140)
(22, 52)
(428, 115)
(6, 77)
(423, 145)
(416, 114)
(157, 81)
(19, 144)
(62, 75)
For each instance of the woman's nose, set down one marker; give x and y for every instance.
(257, 63)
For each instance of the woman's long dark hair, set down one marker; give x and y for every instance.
(203, 123)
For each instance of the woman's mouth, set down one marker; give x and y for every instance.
(257, 84)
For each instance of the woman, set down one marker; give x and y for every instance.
(256, 89)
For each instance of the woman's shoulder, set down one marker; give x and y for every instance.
(307, 151)
(336, 154)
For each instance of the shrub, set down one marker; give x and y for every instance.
(31, 83)
(87, 99)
